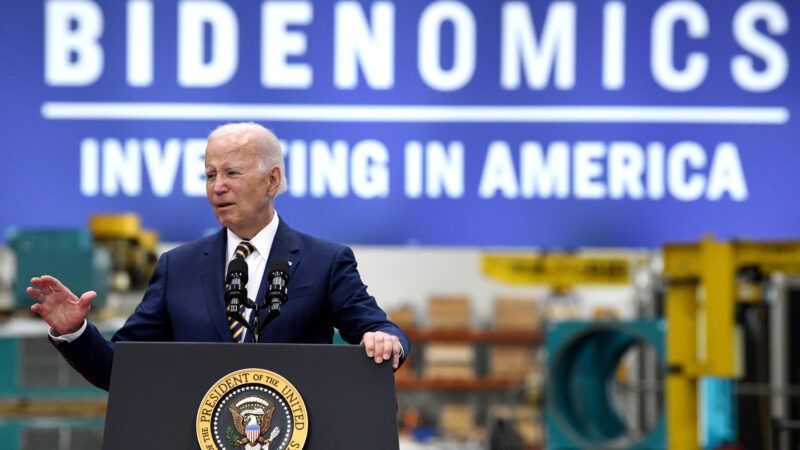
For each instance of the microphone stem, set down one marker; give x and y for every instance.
(256, 326)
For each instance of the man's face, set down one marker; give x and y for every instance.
(240, 194)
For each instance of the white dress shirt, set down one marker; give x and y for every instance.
(256, 260)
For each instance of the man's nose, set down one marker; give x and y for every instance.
(220, 186)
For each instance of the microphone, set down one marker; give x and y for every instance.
(277, 294)
(235, 287)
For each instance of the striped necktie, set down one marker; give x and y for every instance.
(242, 251)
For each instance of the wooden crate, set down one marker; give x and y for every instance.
(449, 361)
(445, 371)
(449, 312)
(513, 361)
(516, 313)
(456, 420)
(403, 317)
(450, 353)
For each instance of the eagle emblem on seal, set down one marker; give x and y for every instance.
(251, 418)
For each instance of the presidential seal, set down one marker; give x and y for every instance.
(252, 409)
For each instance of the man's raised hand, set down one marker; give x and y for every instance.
(58, 306)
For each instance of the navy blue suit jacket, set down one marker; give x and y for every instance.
(185, 302)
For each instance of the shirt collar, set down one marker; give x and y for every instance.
(262, 241)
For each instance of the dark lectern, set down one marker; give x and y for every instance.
(158, 390)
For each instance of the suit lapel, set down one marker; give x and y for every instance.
(213, 271)
(283, 246)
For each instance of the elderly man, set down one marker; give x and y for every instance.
(185, 299)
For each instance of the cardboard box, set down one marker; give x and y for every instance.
(516, 313)
(404, 317)
(449, 353)
(513, 361)
(449, 313)
(456, 420)
(446, 371)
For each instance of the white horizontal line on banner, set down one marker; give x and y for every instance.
(745, 115)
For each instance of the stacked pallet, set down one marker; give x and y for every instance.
(515, 313)
(403, 317)
(511, 361)
(449, 360)
(456, 421)
(449, 313)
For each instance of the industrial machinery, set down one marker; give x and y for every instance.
(132, 248)
(584, 359)
(730, 365)
(729, 306)
(68, 254)
(44, 403)
(115, 253)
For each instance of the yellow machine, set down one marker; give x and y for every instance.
(133, 249)
(705, 282)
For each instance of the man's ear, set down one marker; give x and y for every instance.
(274, 177)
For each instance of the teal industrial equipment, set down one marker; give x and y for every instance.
(717, 411)
(32, 433)
(67, 254)
(583, 358)
(33, 370)
(33, 373)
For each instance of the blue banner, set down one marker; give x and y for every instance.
(481, 123)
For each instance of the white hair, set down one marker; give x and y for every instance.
(267, 146)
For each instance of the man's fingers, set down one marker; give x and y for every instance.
(369, 343)
(396, 350)
(373, 344)
(87, 297)
(379, 341)
(388, 347)
(40, 284)
(34, 293)
(37, 308)
(382, 347)
(53, 284)
(50, 285)
(44, 283)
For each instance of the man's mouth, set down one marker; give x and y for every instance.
(224, 205)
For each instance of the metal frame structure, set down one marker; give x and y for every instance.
(704, 285)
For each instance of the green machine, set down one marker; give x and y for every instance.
(44, 403)
(33, 370)
(67, 254)
(47, 432)
(583, 360)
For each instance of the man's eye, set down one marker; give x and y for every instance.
(210, 176)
